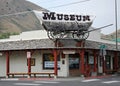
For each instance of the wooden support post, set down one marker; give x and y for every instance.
(115, 60)
(29, 63)
(55, 63)
(7, 64)
(95, 61)
(82, 61)
(104, 65)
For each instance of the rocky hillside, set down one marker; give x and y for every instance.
(111, 36)
(18, 23)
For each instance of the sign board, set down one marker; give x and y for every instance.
(63, 17)
(91, 60)
(102, 46)
(69, 52)
(50, 64)
(103, 50)
(1, 54)
(28, 54)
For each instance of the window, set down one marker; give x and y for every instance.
(48, 61)
(74, 61)
(91, 59)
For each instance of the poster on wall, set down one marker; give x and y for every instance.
(91, 60)
(48, 60)
(50, 64)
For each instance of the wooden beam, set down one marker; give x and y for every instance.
(55, 63)
(95, 60)
(7, 64)
(29, 63)
(115, 60)
(82, 61)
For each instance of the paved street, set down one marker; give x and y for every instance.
(111, 81)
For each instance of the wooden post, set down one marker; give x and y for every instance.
(82, 61)
(7, 64)
(115, 60)
(29, 63)
(104, 65)
(55, 63)
(95, 61)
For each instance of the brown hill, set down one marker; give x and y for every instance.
(111, 36)
(21, 22)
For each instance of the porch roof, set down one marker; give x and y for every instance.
(48, 44)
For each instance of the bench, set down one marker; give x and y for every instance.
(33, 73)
(110, 71)
(43, 73)
(16, 74)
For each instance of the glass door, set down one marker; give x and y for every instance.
(74, 64)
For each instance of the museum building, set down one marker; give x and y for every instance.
(33, 54)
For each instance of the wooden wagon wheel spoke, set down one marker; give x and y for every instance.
(85, 35)
(50, 35)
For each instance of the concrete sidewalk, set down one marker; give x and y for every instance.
(55, 79)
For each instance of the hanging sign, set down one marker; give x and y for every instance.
(28, 54)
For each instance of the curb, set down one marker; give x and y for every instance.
(57, 79)
(25, 79)
(9, 79)
(40, 79)
(93, 77)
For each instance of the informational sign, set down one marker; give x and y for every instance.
(50, 64)
(102, 46)
(103, 50)
(69, 52)
(28, 54)
(91, 60)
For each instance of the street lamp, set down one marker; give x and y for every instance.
(116, 23)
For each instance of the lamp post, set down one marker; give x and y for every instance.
(116, 23)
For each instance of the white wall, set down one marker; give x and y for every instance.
(36, 34)
(2, 65)
(64, 71)
(18, 63)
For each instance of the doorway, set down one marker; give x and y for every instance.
(74, 64)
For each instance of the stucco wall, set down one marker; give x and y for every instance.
(2, 65)
(18, 63)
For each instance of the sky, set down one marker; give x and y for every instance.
(103, 10)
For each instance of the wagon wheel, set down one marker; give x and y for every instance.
(53, 35)
(77, 35)
(80, 35)
(85, 35)
(50, 35)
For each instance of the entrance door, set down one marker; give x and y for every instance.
(108, 62)
(74, 67)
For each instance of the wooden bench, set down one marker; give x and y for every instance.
(16, 74)
(110, 71)
(42, 73)
(33, 73)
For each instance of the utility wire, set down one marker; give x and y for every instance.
(13, 14)
(67, 4)
(47, 1)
